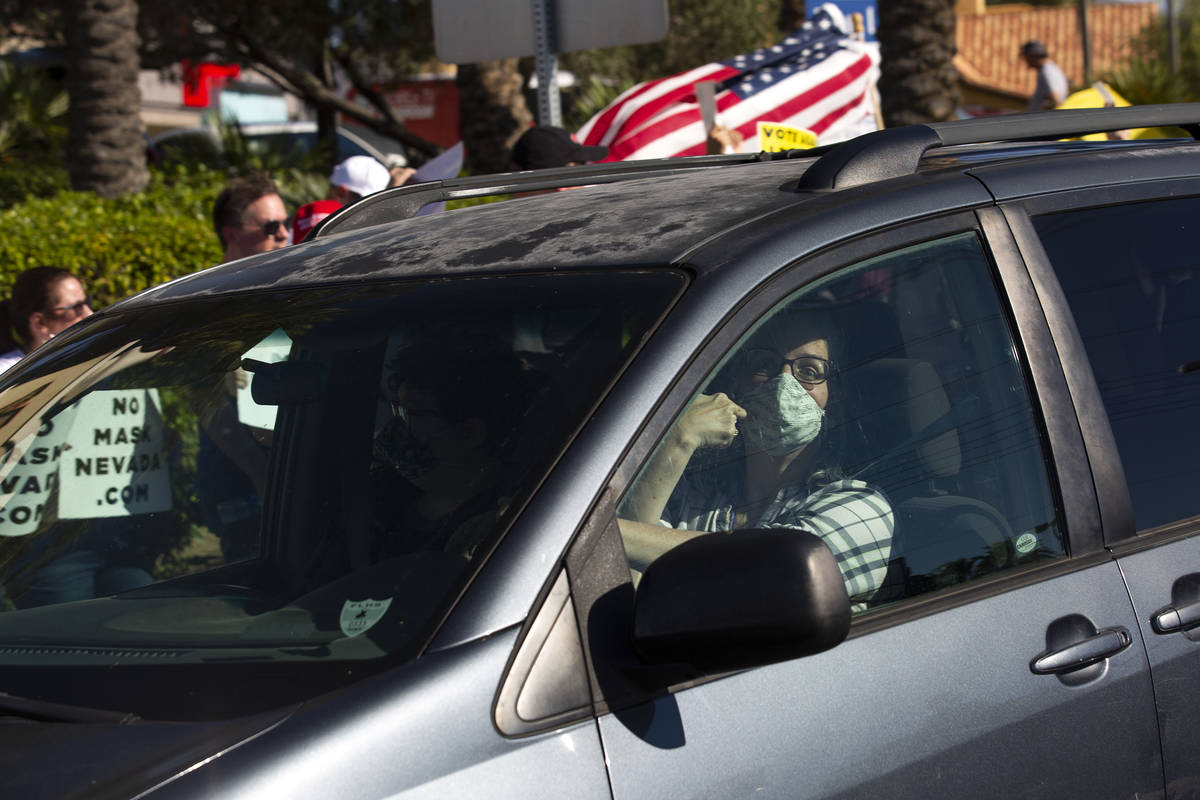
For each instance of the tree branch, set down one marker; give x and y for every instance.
(291, 78)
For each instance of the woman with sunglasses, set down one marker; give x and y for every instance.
(763, 455)
(44, 301)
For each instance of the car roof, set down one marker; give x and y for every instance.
(686, 211)
(595, 226)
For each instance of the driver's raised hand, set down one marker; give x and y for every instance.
(710, 421)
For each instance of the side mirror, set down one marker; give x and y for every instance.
(723, 602)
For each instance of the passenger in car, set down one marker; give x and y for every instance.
(444, 466)
(763, 456)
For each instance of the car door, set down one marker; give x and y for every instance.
(993, 649)
(1137, 311)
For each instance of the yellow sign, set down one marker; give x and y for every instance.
(776, 138)
(1101, 95)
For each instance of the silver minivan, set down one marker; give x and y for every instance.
(862, 472)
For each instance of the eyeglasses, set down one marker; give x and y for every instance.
(809, 370)
(75, 308)
(271, 227)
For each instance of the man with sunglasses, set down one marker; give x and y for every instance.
(249, 217)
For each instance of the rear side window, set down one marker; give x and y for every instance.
(303, 479)
(883, 408)
(1129, 273)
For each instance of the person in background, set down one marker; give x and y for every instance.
(44, 301)
(351, 180)
(545, 146)
(249, 217)
(722, 140)
(357, 177)
(231, 463)
(1052, 85)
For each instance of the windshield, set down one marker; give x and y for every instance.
(304, 478)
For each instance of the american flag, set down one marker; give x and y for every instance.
(818, 79)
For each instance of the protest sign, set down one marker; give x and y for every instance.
(30, 476)
(777, 138)
(116, 465)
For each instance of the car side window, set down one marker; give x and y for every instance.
(1136, 303)
(883, 408)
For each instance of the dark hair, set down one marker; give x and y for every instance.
(32, 292)
(1034, 49)
(236, 197)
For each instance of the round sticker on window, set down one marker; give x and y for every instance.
(1026, 543)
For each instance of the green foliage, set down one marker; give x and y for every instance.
(124, 245)
(183, 525)
(1147, 78)
(21, 181)
(33, 116)
(117, 246)
(299, 174)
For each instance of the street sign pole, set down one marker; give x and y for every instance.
(470, 31)
(546, 62)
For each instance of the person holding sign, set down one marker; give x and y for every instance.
(44, 301)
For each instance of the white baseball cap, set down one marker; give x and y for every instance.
(362, 175)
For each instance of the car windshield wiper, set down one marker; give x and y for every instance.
(46, 711)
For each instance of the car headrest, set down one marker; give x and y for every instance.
(895, 401)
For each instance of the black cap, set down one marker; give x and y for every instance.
(546, 146)
(1034, 49)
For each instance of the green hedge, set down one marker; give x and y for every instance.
(21, 182)
(121, 246)
(124, 245)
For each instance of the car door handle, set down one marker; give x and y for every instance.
(1172, 619)
(1104, 644)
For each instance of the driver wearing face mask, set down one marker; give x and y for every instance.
(763, 456)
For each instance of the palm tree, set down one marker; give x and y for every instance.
(918, 82)
(106, 151)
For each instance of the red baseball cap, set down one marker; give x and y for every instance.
(308, 215)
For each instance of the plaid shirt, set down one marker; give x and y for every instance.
(850, 516)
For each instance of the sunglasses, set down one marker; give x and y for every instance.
(271, 227)
(75, 308)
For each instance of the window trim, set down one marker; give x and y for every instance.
(1115, 503)
(1005, 269)
(1051, 386)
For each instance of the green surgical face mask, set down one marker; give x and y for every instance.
(781, 417)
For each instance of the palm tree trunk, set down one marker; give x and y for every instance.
(918, 82)
(106, 149)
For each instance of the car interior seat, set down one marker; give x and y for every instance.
(902, 414)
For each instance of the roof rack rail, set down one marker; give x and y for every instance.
(894, 152)
(405, 201)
